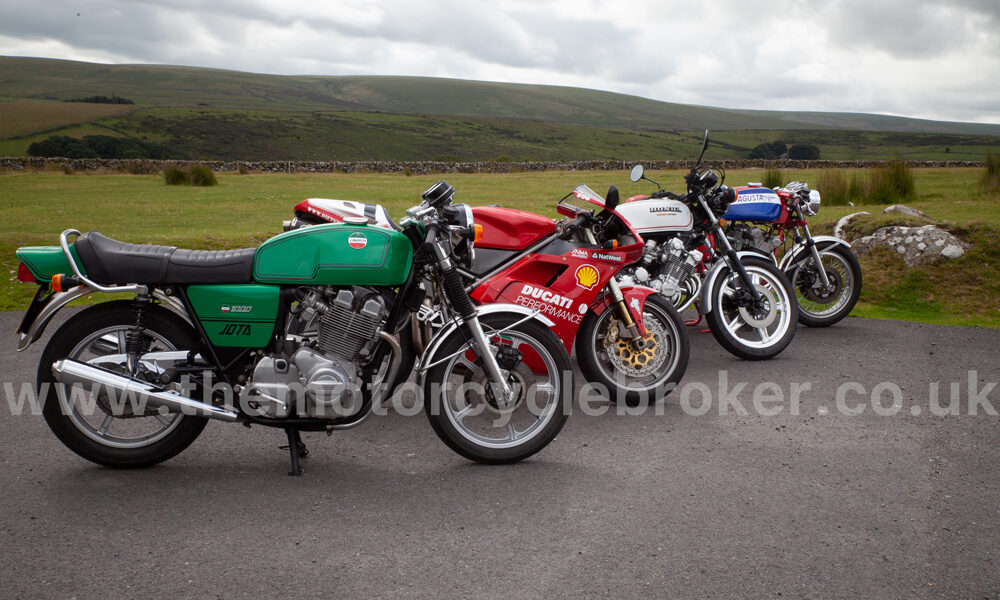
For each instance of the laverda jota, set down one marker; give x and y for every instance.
(627, 339)
(292, 335)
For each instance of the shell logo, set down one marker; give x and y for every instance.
(587, 276)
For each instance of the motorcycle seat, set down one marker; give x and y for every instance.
(109, 261)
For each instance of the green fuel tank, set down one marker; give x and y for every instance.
(335, 254)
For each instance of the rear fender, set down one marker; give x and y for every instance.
(43, 308)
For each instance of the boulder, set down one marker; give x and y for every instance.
(905, 210)
(915, 245)
(838, 230)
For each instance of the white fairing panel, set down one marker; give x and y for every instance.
(656, 215)
(337, 210)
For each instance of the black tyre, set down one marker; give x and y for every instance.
(623, 372)
(753, 333)
(90, 427)
(820, 307)
(465, 414)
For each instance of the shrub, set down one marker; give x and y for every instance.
(174, 175)
(769, 150)
(890, 184)
(838, 190)
(803, 152)
(773, 178)
(202, 176)
(991, 177)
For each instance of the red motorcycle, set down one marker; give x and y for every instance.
(627, 339)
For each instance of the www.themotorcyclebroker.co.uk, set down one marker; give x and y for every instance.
(969, 397)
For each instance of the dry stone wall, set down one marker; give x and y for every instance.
(425, 167)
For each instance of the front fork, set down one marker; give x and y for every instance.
(732, 258)
(455, 293)
(638, 341)
(811, 245)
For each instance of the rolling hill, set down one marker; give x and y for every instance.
(212, 113)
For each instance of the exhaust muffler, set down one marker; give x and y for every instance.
(73, 372)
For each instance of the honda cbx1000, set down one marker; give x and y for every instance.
(760, 219)
(747, 301)
(290, 335)
(627, 339)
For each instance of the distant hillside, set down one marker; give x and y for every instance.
(158, 85)
(227, 115)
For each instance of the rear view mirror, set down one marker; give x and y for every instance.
(637, 172)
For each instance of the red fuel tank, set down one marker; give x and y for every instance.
(509, 229)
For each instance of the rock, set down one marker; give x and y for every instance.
(915, 245)
(952, 251)
(906, 210)
(838, 230)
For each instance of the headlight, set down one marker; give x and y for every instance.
(812, 207)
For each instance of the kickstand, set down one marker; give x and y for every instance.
(296, 449)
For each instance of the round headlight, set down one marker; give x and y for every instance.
(812, 207)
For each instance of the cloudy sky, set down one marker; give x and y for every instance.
(936, 59)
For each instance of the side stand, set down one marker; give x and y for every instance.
(296, 448)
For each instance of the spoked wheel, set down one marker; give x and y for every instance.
(637, 375)
(822, 307)
(753, 332)
(470, 418)
(115, 432)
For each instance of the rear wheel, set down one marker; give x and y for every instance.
(105, 430)
(636, 376)
(753, 332)
(465, 413)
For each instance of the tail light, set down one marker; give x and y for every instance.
(24, 274)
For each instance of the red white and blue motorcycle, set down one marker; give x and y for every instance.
(761, 220)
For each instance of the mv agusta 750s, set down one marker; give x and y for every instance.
(628, 340)
(746, 299)
(761, 220)
(292, 335)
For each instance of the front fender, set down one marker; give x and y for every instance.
(635, 299)
(823, 243)
(434, 345)
(706, 289)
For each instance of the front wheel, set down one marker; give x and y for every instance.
(466, 415)
(753, 332)
(819, 306)
(624, 372)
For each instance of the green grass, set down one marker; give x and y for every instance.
(245, 210)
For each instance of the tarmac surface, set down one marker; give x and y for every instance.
(705, 495)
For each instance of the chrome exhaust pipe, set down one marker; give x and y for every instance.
(72, 372)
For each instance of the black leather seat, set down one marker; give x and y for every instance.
(108, 261)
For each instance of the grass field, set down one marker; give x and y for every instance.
(244, 210)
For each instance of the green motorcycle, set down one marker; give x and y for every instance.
(308, 332)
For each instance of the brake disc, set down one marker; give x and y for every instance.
(815, 292)
(760, 316)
